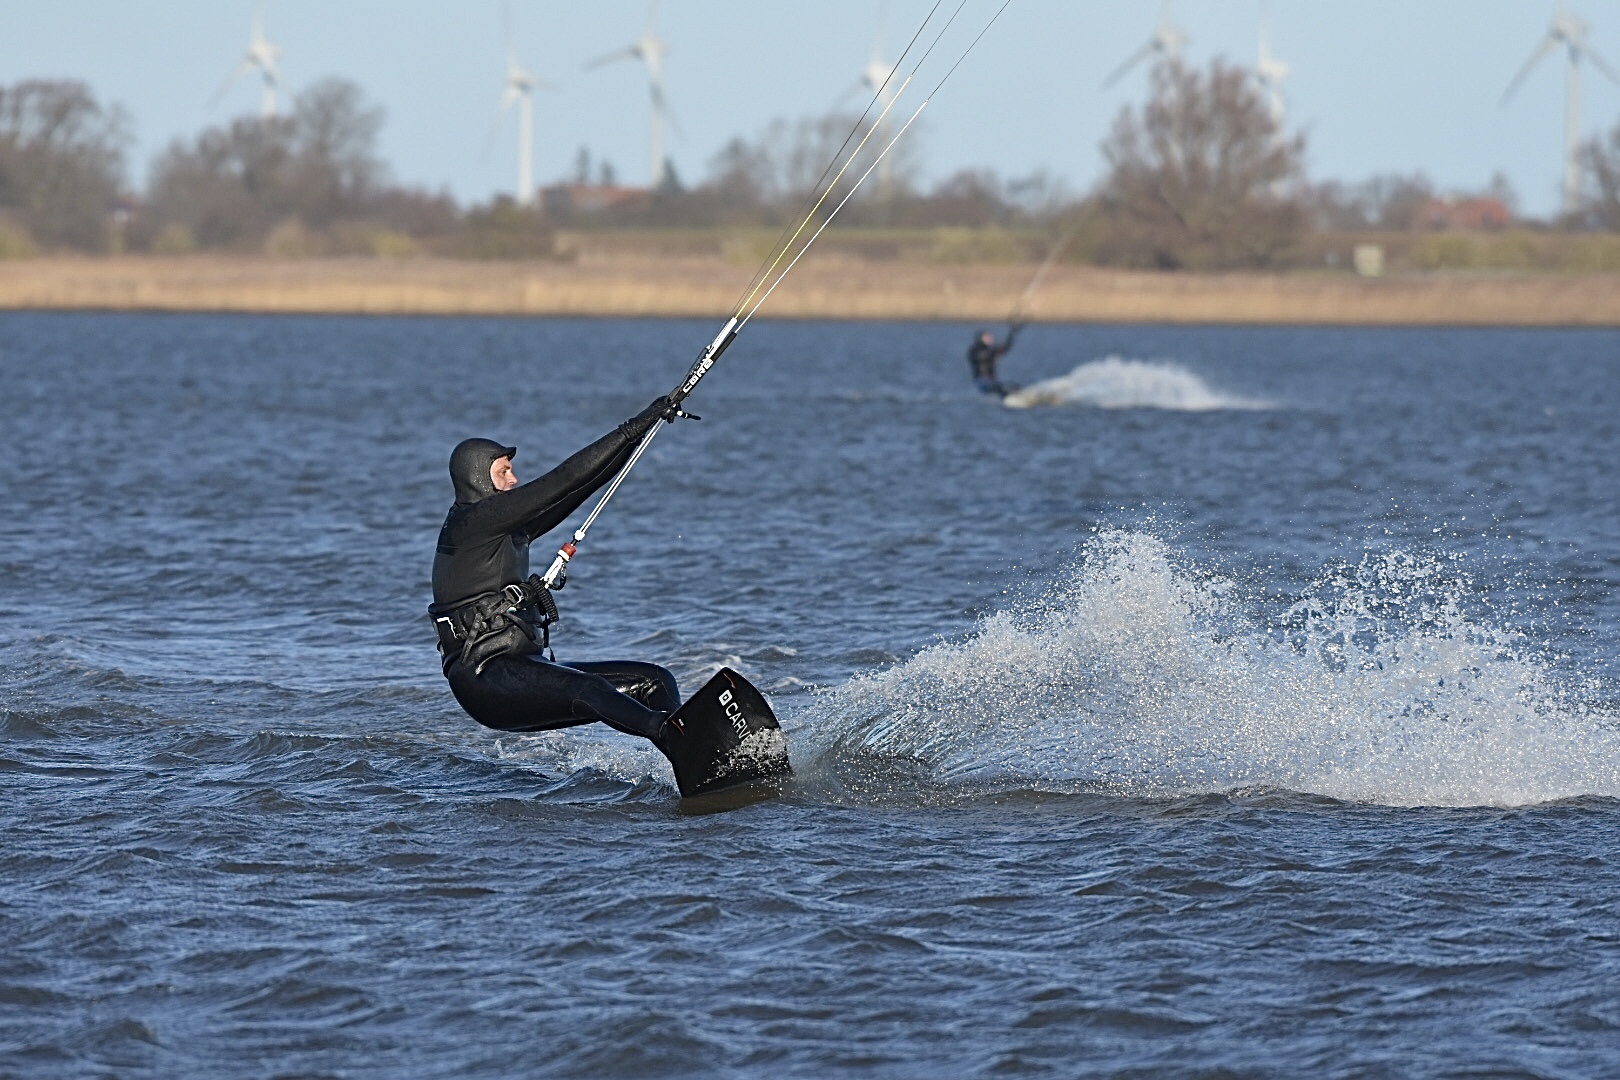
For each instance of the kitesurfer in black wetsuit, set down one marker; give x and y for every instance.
(491, 617)
(984, 354)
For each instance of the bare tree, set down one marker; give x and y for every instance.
(786, 161)
(1600, 167)
(232, 185)
(742, 172)
(61, 161)
(335, 151)
(974, 198)
(228, 187)
(1201, 178)
(1388, 201)
(1394, 201)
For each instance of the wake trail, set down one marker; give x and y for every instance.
(1118, 383)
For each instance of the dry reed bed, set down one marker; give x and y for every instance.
(828, 288)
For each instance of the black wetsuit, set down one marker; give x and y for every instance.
(982, 357)
(504, 681)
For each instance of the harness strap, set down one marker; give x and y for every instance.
(526, 606)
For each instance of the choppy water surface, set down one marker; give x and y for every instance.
(1248, 709)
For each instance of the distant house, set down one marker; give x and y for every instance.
(566, 200)
(1473, 214)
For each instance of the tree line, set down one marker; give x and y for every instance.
(1200, 176)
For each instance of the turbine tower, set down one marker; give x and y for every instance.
(261, 56)
(1167, 42)
(1271, 72)
(650, 49)
(1570, 32)
(519, 91)
(875, 78)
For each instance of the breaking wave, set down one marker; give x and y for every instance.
(1117, 383)
(1138, 677)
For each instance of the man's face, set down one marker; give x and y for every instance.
(501, 474)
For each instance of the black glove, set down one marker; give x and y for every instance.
(662, 408)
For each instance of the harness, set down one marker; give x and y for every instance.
(479, 629)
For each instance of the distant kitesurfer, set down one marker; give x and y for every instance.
(492, 617)
(983, 356)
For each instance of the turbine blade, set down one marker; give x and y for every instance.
(659, 102)
(671, 119)
(1548, 44)
(1601, 64)
(849, 92)
(1136, 58)
(225, 87)
(621, 54)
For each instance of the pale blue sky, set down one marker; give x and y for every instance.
(1378, 85)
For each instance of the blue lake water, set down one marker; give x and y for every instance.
(1246, 705)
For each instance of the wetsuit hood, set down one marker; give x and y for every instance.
(469, 467)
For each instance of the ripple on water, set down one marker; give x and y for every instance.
(1170, 810)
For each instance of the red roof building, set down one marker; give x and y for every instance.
(1464, 215)
(592, 198)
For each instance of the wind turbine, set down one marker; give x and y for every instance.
(1570, 32)
(1271, 72)
(520, 84)
(519, 90)
(1167, 41)
(875, 75)
(650, 49)
(876, 79)
(261, 56)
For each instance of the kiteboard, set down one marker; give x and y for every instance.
(724, 737)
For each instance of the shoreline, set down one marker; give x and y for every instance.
(830, 287)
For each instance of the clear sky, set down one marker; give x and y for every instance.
(1377, 85)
